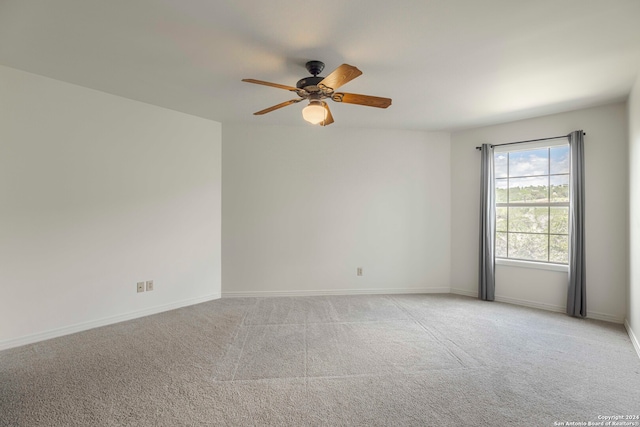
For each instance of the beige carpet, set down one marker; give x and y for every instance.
(441, 360)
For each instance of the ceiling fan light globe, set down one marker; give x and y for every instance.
(314, 113)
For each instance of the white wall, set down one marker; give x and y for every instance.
(633, 297)
(303, 207)
(98, 192)
(606, 216)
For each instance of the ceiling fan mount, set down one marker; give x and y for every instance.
(315, 89)
(314, 67)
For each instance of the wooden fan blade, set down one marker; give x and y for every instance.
(279, 86)
(341, 75)
(328, 118)
(275, 107)
(369, 101)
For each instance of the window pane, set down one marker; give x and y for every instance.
(529, 190)
(559, 188)
(500, 165)
(527, 163)
(528, 246)
(501, 191)
(559, 220)
(559, 249)
(501, 219)
(559, 157)
(527, 183)
(529, 220)
(501, 245)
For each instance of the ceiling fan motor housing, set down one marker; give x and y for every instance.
(309, 82)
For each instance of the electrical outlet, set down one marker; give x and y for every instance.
(359, 271)
(140, 286)
(149, 285)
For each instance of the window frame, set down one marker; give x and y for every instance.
(515, 262)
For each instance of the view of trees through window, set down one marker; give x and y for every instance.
(532, 204)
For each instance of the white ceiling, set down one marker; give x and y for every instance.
(447, 64)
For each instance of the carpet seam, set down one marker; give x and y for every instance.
(434, 335)
(243, 345)
(372, 375)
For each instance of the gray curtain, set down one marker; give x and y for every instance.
(577, 294)
(486, 277)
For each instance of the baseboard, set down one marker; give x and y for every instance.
(302, 293)
(532, 304)
(632, 336)
(542, 306)
(606, 317)
(464, 292)
(79, 327)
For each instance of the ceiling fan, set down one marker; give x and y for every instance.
(316, 89)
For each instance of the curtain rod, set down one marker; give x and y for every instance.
(529, 140)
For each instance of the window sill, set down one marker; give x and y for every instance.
(531, 264)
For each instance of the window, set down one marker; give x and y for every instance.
(532, 203)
